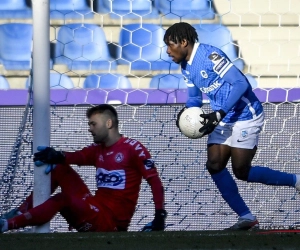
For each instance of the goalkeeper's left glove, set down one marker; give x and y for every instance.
(48, 155)
(212, 120)
(158, 224)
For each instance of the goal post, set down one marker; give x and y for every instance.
(40, 85)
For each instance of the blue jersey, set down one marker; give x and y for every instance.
(211, 72)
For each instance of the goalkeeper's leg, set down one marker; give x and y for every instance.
(78, 210)
(62, 175)
(82, 214)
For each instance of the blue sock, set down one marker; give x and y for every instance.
(229, 191)
(271, 177)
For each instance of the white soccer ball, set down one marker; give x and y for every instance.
(190, 122)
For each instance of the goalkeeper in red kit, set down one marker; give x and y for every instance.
(121, 163)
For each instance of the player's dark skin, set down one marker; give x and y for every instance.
(217, 155)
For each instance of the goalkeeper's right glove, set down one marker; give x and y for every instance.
(48, 155)
(178, 117)
(158, 224)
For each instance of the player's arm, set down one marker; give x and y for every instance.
(83, 157)
(146, 166)
(194, 99)
(194, 96)
(157, 192)
(48, 155)
(239, 84)
(158, 224)
(226, 70)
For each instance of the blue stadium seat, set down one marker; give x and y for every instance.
(107, 81)
(167, 81)
(70, 9)
(127, 9)
(143, 48)
(16, 46)
(187, 9)
(220, 37)
(57, 81)
(4, 83)
(15, 9)
(83, 47)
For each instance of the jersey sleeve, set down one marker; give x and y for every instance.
(141, 159)
(239, 84)
(147, 167)
(194, 94)
(85, 156)
(225, 69)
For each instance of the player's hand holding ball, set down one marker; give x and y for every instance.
(212, 120)
(190, 122)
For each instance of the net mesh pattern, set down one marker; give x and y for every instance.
(192, 200)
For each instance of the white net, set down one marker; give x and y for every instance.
(113, 52)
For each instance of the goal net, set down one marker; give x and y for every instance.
(134, 75)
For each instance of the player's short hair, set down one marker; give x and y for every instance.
(104, 109)
(179, 32)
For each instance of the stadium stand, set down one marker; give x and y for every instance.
(57, 81)
(267, 34)
(16, 46)
(167, 81)
(143, 48)
(188, 9)
(70, 9)
(264, 36)
(4, 83)
(82, 47)
(127, 9)
(107, 81)
(257, 13)
(219, 36)
(14, 9)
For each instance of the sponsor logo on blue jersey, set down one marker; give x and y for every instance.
(220, 65)
(212, 87)
(214, 56)
(203, 74)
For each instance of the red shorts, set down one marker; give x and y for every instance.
(79, 207)
(85, 215)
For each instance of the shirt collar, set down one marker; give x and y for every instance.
(196, 45)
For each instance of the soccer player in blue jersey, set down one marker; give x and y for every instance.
(235, 123)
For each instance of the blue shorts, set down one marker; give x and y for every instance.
(241, 134)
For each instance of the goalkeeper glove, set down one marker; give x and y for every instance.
(178, 117)
(158, 224)
(212, 120)
(48, 155)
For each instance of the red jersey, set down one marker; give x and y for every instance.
(119, 172)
